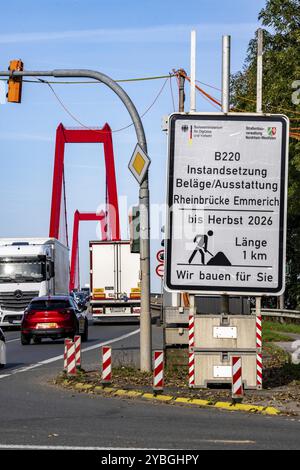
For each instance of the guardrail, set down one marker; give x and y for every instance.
(277, 313)
(266, 312)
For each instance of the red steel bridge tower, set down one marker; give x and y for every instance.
(79, 217)
(110, 222)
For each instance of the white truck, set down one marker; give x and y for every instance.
(30, 267)
(114, 281)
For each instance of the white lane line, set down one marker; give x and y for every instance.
(41, 447)
(12, 340)
(57, 358)
(226, 441)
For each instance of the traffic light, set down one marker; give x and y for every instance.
(134, 224)
(15, 83)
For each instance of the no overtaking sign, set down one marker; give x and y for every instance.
(227, 203)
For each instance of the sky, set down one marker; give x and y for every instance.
(124, 40)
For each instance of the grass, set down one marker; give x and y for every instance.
(274, 336)
(273, 331)
(283, 327)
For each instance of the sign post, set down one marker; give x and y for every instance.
(160, 268)
(226, 57)
(227, 203)
(139, 165)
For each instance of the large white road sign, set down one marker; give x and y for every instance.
(227, 185)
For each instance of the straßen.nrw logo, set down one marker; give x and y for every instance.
(272, 131)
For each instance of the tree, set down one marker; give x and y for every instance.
(281, 19)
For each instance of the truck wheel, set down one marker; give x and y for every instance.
(25, 339)
(85, 334)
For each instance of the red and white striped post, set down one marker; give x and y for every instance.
(237, 382)
(259, 366)
(258, 332)
(77, 341)
(71, 364)
(191, 369)
(259, 363)
(67, 340)
(191, 351)
(191, 331)
(106, 365)
(158, 374)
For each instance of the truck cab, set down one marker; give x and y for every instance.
(29, 268)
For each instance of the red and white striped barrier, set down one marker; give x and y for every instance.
(71, 364)
(191, 352)
(259, 364)
(77, 341)
(259, 375)
(106, 364)
(258, 332)
(67, 340)
(191, 331)
(158, 375)
(237, 383)
(191, 369)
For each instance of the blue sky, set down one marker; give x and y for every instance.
(123, 39)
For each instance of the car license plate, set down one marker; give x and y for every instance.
(45, 326)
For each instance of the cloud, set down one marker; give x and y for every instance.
(154, 34)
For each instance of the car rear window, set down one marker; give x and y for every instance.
(49, 304)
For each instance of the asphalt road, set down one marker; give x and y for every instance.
(21, 357)
(34, 412)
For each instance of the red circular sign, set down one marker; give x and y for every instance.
(160, 268)
(160, 256)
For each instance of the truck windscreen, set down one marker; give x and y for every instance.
(22, 271)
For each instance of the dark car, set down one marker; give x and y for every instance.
(53, 317)
(81, 299)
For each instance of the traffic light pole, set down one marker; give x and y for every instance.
(145, 334)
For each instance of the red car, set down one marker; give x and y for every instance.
(54, 317)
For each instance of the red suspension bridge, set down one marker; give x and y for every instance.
(109, 219)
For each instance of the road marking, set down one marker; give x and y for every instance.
(57, 358)
(39, 447)
(12, 340)
(226, 441)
